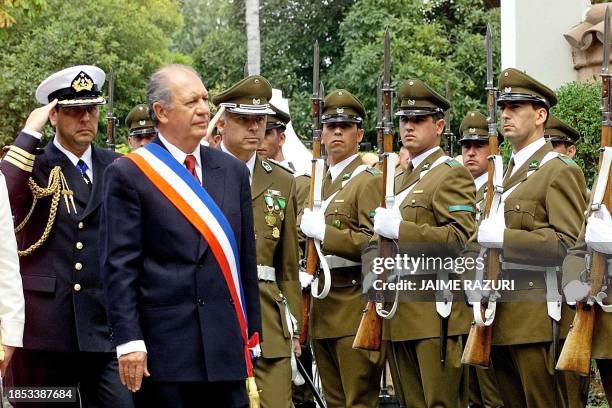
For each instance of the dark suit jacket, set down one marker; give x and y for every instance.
(58, 317)
(162, 282)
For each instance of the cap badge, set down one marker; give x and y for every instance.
(508, 89)
(411, 102)
(256, 101)
(82, 82)
(472, 130)
(140, 108)
(340, 93)
(256, 80)
(142, 122)
(505, 74)
(472, 114)
(411, 83)
(339, 110)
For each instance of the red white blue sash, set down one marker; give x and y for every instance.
(175, 182)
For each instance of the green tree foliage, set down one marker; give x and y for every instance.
(437, 41)
(131, 36)
(579, 106)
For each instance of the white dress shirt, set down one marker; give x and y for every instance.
(12, 306)
(250, 163)
(180, 155)
(337, 169)
(525, 153)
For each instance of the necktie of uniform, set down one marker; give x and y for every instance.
(190, 162)
(509, 170)
(82, 167)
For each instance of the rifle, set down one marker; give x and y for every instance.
(576, 353)
(477, 350)
(111, 120)
(379, 119)
(316, 186)
(448, 133)
(369, 333)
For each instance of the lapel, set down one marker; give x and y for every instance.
(409, 178)
(73, 177)
(260, 180)
(521, 174)
(331, 188)
(100, 161)
(213, 181)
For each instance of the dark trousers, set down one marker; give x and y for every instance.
(223, 394)
(95, 374)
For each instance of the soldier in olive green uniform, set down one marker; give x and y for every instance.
(434, 205)
(140, 127)
(562, 136)
(242, 127)
(351, 190)
(541, 216)
(475, 152)
(596, 235)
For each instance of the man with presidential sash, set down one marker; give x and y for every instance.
(351, 192)
(178, 258)
(55, 196)
(242, 123)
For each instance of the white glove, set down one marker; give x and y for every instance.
(305, 279)
(491, 231)
(313, 224)
(576, 291)
(387, 222)
(598, 234)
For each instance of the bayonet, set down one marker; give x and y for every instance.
(379, 116)
(448, 133)
(111, 120)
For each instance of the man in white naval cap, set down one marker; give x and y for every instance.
(55, 196)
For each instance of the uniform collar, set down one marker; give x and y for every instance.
(338, 168)
(525, 153)
(86, 157)
(180, 155)
(481, 180)
(419, 159)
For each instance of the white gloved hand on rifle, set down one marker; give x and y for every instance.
(598, 235)
(305, 279)
(491, 231)
(576, 291)
(313, 224)
(387, 222)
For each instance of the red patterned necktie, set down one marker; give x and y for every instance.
(190, 162)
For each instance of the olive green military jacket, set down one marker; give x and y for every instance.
(573, 269)
(543, 218)
(274, 215)
(348, 230)
(302, 187)
(438, 212)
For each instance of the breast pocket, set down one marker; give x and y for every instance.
(417, 208)
(339, 216)
(520, 214)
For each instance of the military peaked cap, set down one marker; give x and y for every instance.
(80, 85)
(517, 86)
(342, 106)
(559, 131)
(418, 99)
(250, 96)
(474, 128)
(279, 119)
(138, 121)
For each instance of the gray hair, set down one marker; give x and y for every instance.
(158, 88)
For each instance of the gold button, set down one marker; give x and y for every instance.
(78, 266)
(79, 245)
(518, 207)
(530, 284)
(77, 287)
(81, 225)
(413, 201)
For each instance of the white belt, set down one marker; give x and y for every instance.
(338, 262)
(266, 273)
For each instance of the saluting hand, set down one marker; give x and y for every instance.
(132, 367)
(38, 117)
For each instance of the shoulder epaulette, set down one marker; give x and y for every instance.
(373, 171)
(452, 163)
(566, 159)
(281, 166)
(266, 166)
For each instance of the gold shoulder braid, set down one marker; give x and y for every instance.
(56, 187)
